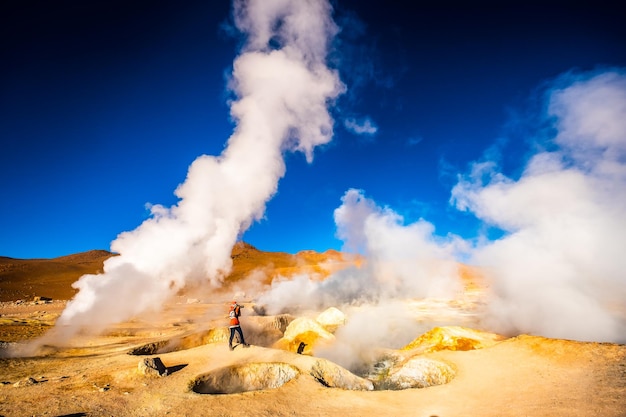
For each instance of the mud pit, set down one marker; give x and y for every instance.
(244, 378)
(396, 372)
(185, 342)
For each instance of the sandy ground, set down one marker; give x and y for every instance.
(521, 376)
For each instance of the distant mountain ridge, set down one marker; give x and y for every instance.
(27, 278)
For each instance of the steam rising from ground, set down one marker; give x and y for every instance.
(283, 87)
(403, 261)
(559, 270)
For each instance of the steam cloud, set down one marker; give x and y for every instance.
(402, 261)
(283, 87)
(559, 270)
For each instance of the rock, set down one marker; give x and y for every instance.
(281, 322)
(417, 372)
(332, 375)
(303, 330)
(152, 367)
(215, 335)
(331, 319)
(453, 338)
(149, 348)
(244, 378)
(25, 382)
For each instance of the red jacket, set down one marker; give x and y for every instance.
(234, 313)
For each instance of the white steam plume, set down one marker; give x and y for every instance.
(560, 269)
(402, 261)
(283, 87)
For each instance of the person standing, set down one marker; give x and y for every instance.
(235, 326)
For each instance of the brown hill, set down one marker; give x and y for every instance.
(26, 278)
(53, 278)
(247, 258)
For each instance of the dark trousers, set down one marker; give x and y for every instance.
(232, 334)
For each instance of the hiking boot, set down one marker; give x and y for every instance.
(231, 348)
(246, 345)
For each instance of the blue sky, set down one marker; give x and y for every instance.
(104, 106)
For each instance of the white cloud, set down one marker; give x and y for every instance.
(363, 126)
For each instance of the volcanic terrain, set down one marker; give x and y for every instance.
(177, 363)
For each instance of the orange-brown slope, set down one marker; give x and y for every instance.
(473, 277)
(26, 278)
(247, 258)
